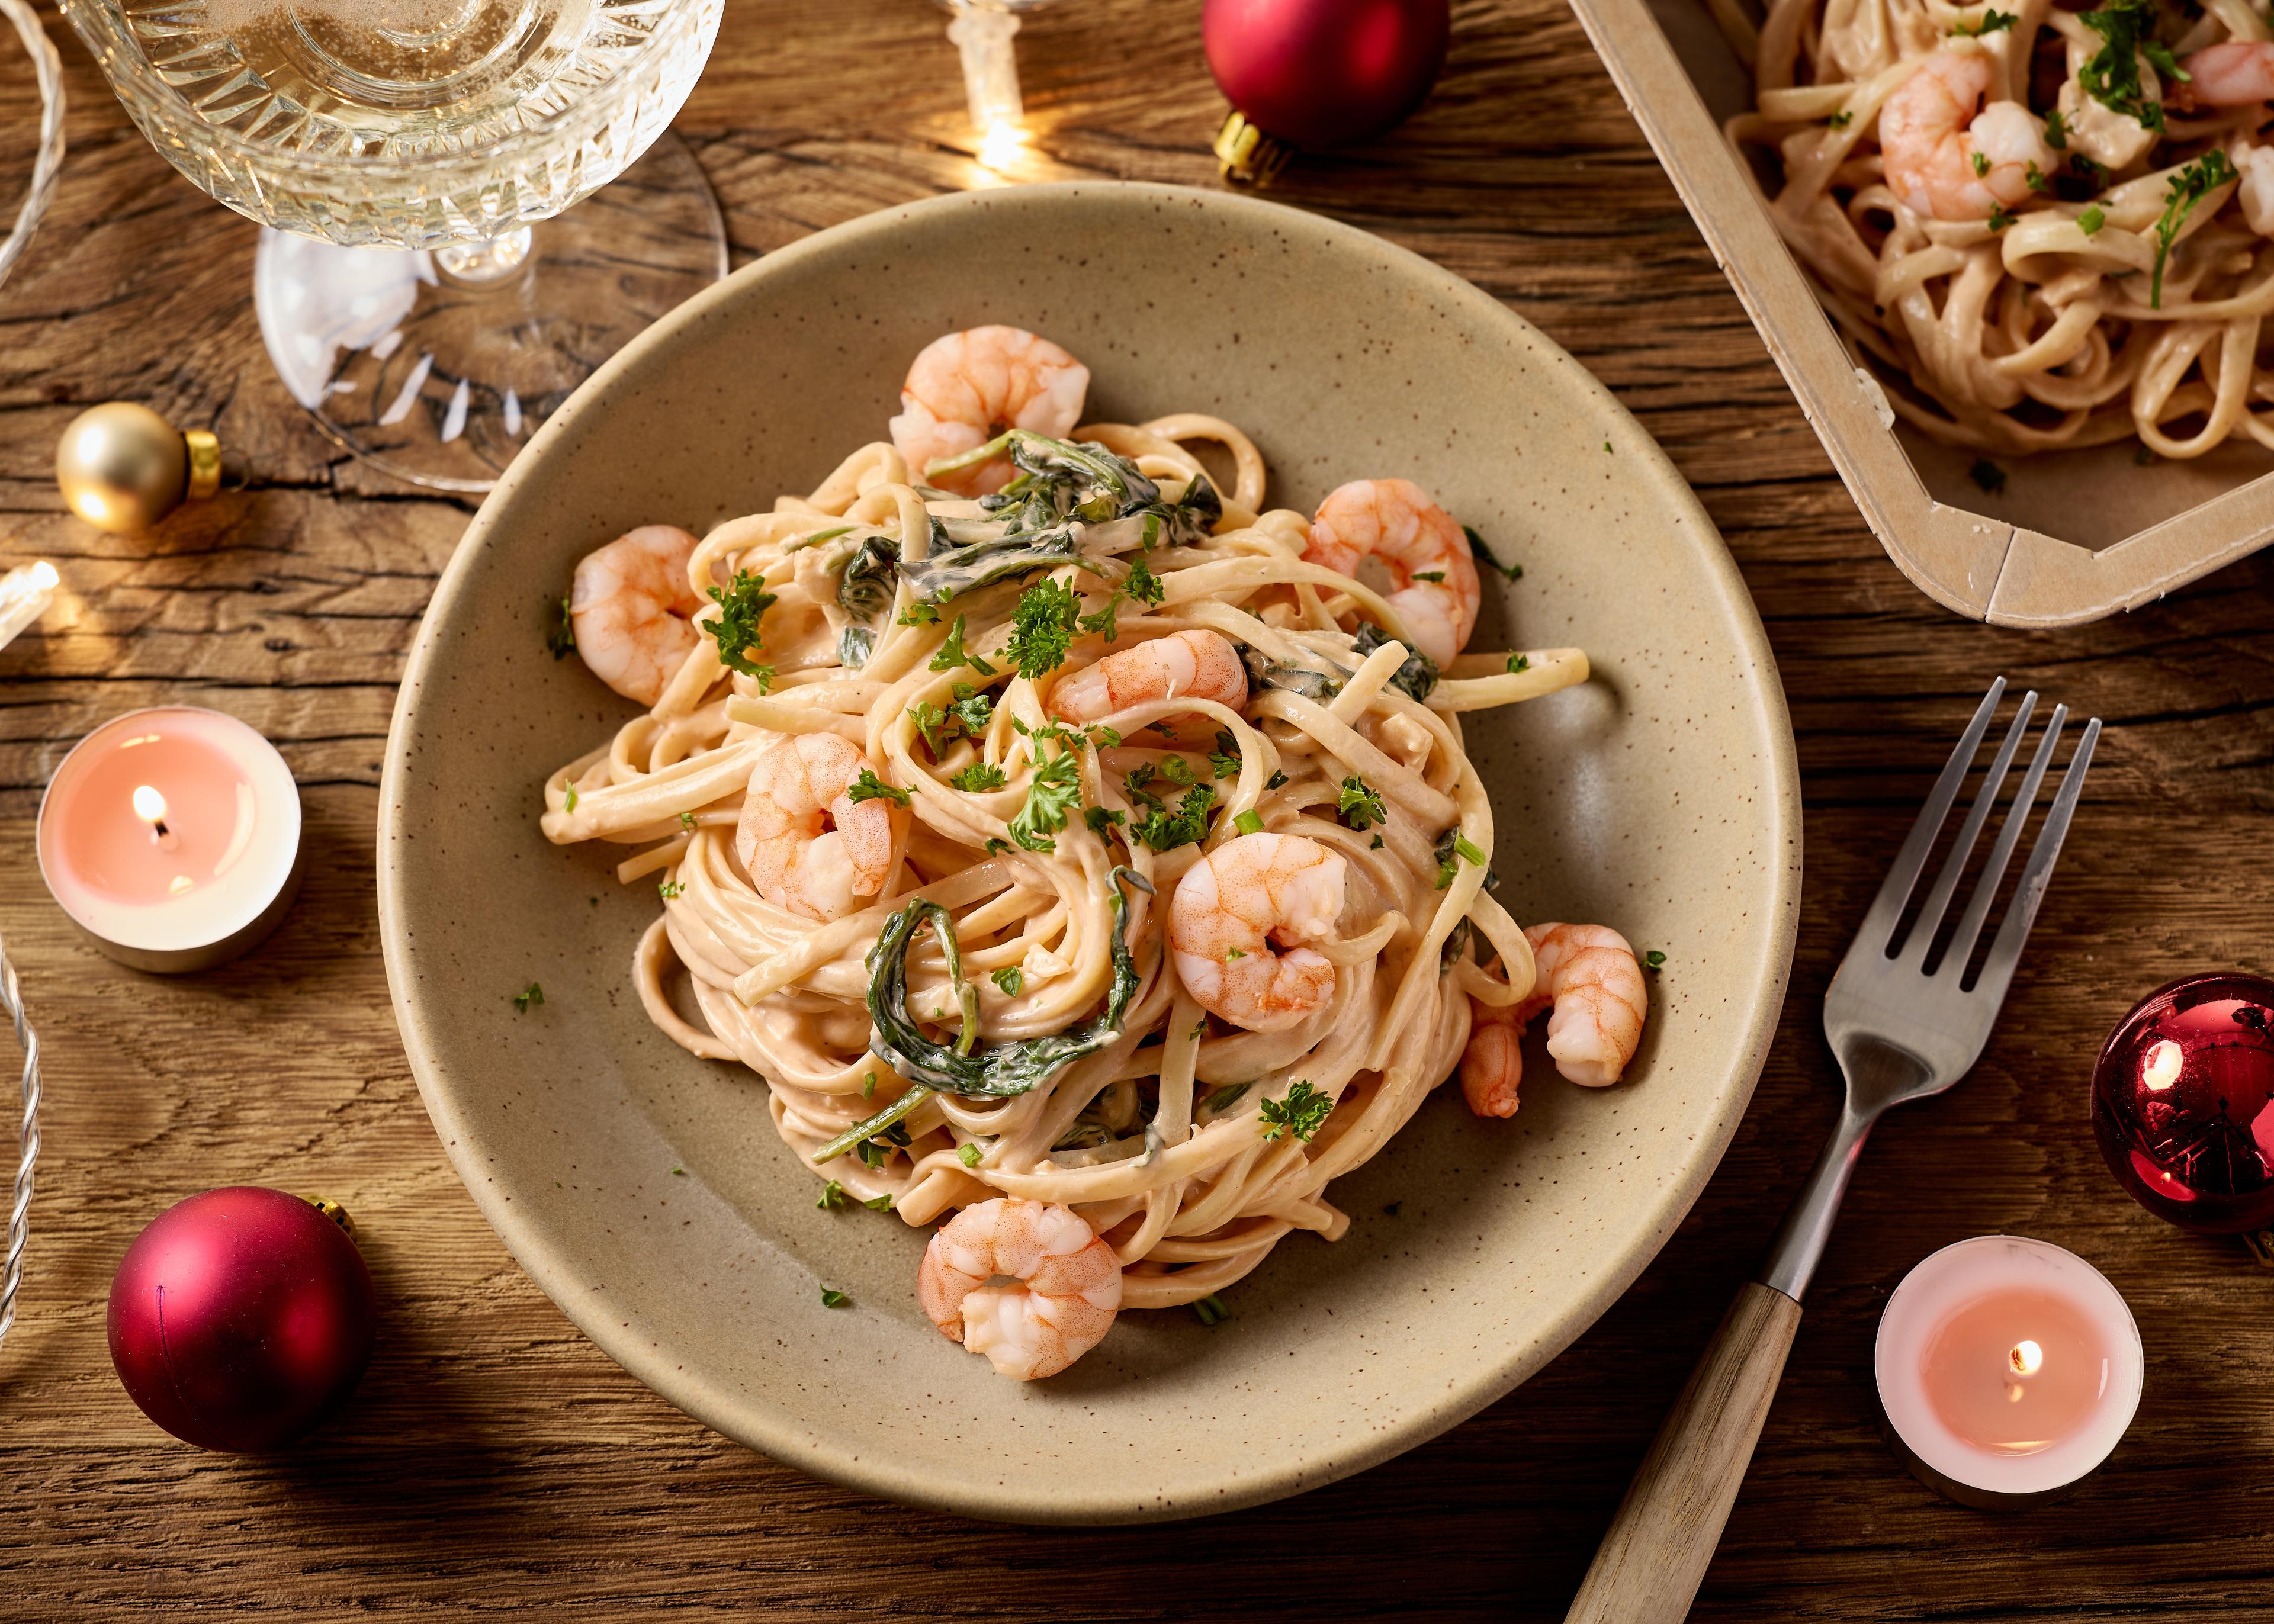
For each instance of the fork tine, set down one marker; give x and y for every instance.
(1954, 866)
(2017, 818)
(1879, 926)
(2006, 951)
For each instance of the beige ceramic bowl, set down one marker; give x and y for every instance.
(1661, 798)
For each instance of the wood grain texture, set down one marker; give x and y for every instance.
(1666, 1530)
(496, 1463)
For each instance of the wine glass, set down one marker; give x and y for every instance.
(408, 159)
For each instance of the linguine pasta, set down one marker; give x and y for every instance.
(2083, 258)
(1002, 1018)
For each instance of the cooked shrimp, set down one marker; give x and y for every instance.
(1946, 159)
(2255, 164)
(968, 387)
(1068, 1289)
(810, 846)
(2231, 73)
(1193, 664)
(1493, 1063)
(632, 609)
(1233, 904)
(1437, 593)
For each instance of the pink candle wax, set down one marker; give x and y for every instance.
(172, 837)
(2008, 1369)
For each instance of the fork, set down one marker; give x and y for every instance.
(1900, 1031)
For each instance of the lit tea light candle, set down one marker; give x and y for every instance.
(2008, 1369)
(172, 838)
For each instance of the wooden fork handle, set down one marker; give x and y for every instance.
(1650, 1564)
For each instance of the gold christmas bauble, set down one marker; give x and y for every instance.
(123, 467)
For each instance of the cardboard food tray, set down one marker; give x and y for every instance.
(2073, 536)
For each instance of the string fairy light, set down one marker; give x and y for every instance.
(981, 33)
(25, 594)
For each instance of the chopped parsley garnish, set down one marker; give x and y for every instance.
(671, 890)
(931, 724)
(1981, 162)
(1484, 555)
(872, 1154)
(2185, 190)
(832, 1298)
(1359, 805)
(1057, 791)
(1518, 663)
(2036, 178)
(560, 633)
(869, 786)
(972, 708)
(1041, 625)
(1376, 846)
(1009, 980)
(2145, 457)
(920, 614)
(1993, 21)
(1653, 960)
(2056, 130)
(1231, 953)
(735, 628)
(994, 847)
(1998, 218)
(878, 1204)
(1453, 848)
(1165, 830)
(1224, 760)
(1436, 576)
(1177, 771)
(568, 802)
(1277, 780)
(1103, 623)
(2091, 219)
(1249, 822)
(1988, 475)
(523, 1001)
(1143, 584)
(833, 1197)
(1100, 819)
(1301, 1112)
(1842, 119)
(686, 820)
(1210, 1310)
(679, 1172)
(977, 778)
(2112, 76)
(970, 1155)
(952, 653)
(869, 1086)
(1224, 1098)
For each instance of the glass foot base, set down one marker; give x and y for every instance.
(436, 367)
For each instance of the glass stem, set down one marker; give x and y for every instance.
(478, 264)
(982, 35)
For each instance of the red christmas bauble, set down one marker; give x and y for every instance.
(241, 1318)
(1319, 74)
(2183, 1103)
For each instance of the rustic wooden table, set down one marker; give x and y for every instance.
(496, 1460)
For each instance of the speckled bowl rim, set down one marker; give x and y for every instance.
(549, 1261)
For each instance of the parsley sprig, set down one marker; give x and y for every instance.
(1056, 790)
(869, 786)
(1041, 626)
(2184, 190)
(741, 606)
(1359, 805)
(952, 654)
(2112, 76)
(1302, 1112)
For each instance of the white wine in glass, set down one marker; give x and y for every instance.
(401, 154)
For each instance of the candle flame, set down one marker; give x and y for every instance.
(2162, 1065)
(2027, 1356)
(149, 805)
(1002, 143)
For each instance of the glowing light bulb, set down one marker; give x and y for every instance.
(2162, 1065)
(44, 577)
(26, 592)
